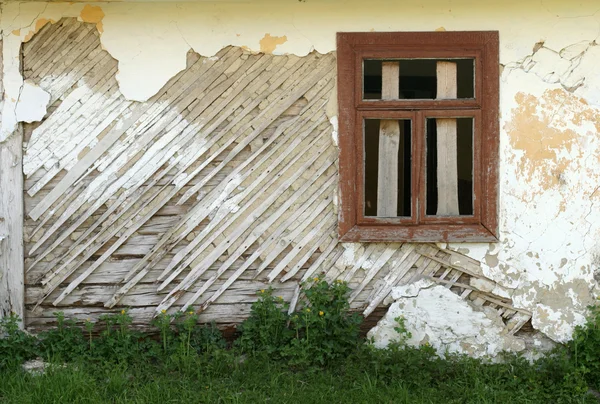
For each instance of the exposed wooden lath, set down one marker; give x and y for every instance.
(218, 186)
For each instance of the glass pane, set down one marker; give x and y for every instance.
(418, 78)
(387, 177)
(449, 173)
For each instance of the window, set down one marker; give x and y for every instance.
(418, 136)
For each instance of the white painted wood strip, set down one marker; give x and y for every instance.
(280, 107)
(87, 137)
(271, 197)
(214, 199)
(205, 232)
(61, 127)
(387, 173)
(221, 290)
(109, 140)
(390, 80)
(242, 291)
(294, 300)
(128, 232)
(388, 252)
(369, 250)
(105, 222)
(163, 240)
(197, 270)
(224, 210)
(325, 260)
(397, 271)
(310, 252)
(296, 231)
(51, 282)
(448, 265)
(257, 232)
(389, 143)
(11, 225)
(314, 232)
(200, 212)
(447, 158)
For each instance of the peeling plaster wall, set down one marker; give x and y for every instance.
(547, 258)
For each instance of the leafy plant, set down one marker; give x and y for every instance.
(584, 348)
(118, 342)
(325, 329)
(163, 323)
(400, 328)
(266, 329)
(63, 343)
(16, 345)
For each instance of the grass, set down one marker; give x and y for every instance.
(314, 355)
(401, 376)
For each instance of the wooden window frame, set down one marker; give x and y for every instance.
(352, 49)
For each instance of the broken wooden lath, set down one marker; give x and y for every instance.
(219, 185)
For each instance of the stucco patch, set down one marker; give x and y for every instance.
(544, 130)
(269, 43)
(32, 103)
(94, 15)
(558, 308)
(436, 316)
(39, 24)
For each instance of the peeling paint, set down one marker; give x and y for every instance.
(547, 130)
(269, 43)
(92, 14)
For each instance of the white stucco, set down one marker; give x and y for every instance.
(434, 315)
(32, 103)
(545, 259)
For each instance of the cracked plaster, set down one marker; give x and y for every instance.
(438, 317)
(550, 104)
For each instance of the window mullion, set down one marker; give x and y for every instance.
(418, 166)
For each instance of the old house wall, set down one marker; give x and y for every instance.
(184, 155)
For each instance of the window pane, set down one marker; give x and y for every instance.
(449, 173)
(419, 78)
(387, 179)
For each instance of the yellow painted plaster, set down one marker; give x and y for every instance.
(94, 15)
(269, 43)
(39, 24)
(539, 129)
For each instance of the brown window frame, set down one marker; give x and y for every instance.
(352, 49)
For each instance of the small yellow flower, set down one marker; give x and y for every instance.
(321, 313)
(122, 311)
(190, 313)
(280, 298)
(316, 279)
(163, 311)
(262, 291)
(308, 310)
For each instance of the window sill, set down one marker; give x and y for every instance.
(419, 234)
